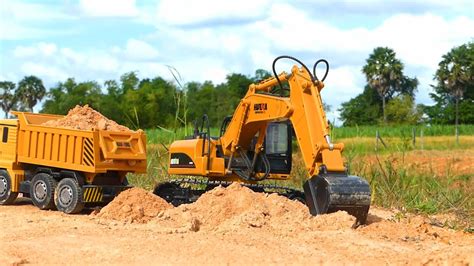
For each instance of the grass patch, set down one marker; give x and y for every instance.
(397, 184)
(401, 131)
(366, 145)
(157, 168)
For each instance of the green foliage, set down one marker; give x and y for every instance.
(402, 110)
(362, 110)
(454, 87)
(385, 81)
(30, 91)
(153, 103)
(66, 95)
(261, 74)
(8, 99)
(201, 99)
(218, 101)
(384, 73)
(383, 70)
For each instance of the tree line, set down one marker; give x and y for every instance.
(388, 96)
(24, 96)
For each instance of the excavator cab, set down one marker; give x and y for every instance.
(277, 146)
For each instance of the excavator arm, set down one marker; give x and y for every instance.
(303, 108)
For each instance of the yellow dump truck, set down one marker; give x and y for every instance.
(65, 168)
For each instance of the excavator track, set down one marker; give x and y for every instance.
(322, 193)
(188, 190)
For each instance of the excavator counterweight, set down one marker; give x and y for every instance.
(255, 144)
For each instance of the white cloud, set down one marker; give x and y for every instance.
(72, 57)
(417, 39)
(11, 31)
(183, 12)
(27, 11)
(109, 8)
(47, 49)
(20, 20)
(140, 50)
(422, 40)
(43, 71)
(102, 62)
(54, 63)
(25, 51)
(39, 49)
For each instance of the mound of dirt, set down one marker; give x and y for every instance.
(134, 205)
(85, 118)
(236, 207)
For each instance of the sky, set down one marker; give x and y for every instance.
(208, 39)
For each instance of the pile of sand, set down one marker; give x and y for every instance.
(134, 205)
(237, 207)
(85, 118)
(223, 209)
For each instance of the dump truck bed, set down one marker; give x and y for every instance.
(89, 151)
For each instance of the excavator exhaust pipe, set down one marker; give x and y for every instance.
(327, 193)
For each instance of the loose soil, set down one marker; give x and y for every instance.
(134, 205)
(85, 118)
(232, 225)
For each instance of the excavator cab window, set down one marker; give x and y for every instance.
(278, 147)
(276, 141)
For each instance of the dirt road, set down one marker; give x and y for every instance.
(271, 230)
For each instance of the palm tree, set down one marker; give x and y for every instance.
(30, 91)
(384, 73)
(8, 98)
(454, 73)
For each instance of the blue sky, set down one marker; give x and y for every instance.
(207, 39)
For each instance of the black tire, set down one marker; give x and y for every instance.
(42, 191)
(6, 195)
(68, 196)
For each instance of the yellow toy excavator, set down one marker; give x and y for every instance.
(255, 144)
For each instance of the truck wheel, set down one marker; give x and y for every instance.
(6, 195)
(42, 191)
(68, 196)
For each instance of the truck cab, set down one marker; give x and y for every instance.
(10, 174)
(8, 136)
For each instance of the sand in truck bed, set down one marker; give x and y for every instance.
(86, 118)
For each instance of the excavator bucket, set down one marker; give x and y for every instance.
(327, 193)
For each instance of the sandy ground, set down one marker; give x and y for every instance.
(271, 231)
